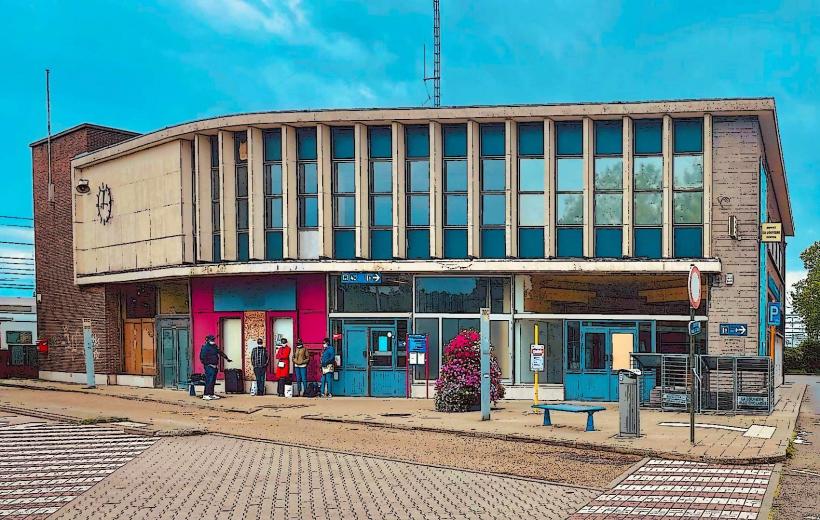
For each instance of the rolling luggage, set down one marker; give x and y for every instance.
(234, 383)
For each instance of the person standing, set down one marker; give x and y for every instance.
(209, 354)
(328, 362)
(282, 371)
(260, 360)
(301, 358)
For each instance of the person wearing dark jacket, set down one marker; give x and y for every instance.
(260, 360)
(328, 362)
(209, 354)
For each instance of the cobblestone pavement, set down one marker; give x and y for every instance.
(215, 477)
(672, 488)
(44, 465)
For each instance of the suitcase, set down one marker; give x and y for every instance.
(234, 383)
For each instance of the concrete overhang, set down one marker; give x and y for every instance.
(439, 267)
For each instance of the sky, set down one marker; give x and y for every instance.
(144, 65)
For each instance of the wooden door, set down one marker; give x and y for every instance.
(149, 349)
(132, 347)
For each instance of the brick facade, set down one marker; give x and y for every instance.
(735, 178)
(63, 305)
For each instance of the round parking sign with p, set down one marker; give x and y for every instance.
(694, 287)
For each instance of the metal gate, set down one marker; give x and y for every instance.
(736, 384)
(675, 381)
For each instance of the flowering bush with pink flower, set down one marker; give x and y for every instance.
(458, 388)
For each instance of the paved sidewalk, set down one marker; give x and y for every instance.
(722, 441)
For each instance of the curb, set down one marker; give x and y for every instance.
(768, 498)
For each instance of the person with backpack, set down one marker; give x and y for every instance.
(282, 371)
(328, 362)
(301, 358)
(260, 360)
(209, 354)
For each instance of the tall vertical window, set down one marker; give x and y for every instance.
(417, 187)
(569, 189)
(687, 189)
(380, 149)
(308, 179)
(493, 191)
(531, 190)
(216, 217)
(273, 195)
(240, 152)
(647, 187)
(455, 190)
(609, 189)
(344, 192)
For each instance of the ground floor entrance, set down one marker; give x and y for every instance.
(373, 358)
(594, 353)
(174, 352)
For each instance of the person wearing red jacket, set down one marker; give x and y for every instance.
(282, 370)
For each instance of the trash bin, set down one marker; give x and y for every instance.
(629, 403)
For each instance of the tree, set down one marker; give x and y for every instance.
(806, 293)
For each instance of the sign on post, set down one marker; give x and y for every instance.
(734, 329)
(775, 314)
(694, 287)
(694, 328)
(361, 278)
(537, 358)
(771, 232)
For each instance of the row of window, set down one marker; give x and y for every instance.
(607, 190)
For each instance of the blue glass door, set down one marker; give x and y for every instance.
(591, 377)
(386, 377)
(353, 372)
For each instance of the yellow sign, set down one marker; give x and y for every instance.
(771, 232)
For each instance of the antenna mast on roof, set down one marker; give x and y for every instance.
(436, 77)
(48, 145)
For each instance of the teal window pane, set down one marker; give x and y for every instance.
(273, 145)
(419, 210)
(609, 173)
(382, 176)
(648, 209)
(492, 140)
(418, 244)
(242, 247)
(531, 209)
(345, 211)
(609, 138)
(648, 136)
(688, 135)
(570, 209)
(214, 141)
(381, 142)
(688, 242)
(493, 210)
(308, 178)
(344, 244)
(344, 174)
(531, 175)
(570, 139)
(418, 173)
(381, 244)
(530, 242)
(687, 172)
(455, 175)
(341, 138)
(306, 143)
(608, 242)
(570, 174)
(215, 216)
(241, 180)
(216, 245)
(455, 210)
(417, 141)
(382, 211)
(273, 179)
(242, 214)
(273, 245)
(493, 175)
(273, 215)
(309, 212)
(608, 209)
(648, 173)
(570, 242)
(455, 140)
(687, 207)
(648, 242)
(493, 243)
(455, 243)
(531, 139)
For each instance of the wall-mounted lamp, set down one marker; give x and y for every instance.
(83, 187)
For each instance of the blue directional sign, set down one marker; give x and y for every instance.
(361, 278)
(775, 313)
(417, 342)
(734, 329)
(694, 328)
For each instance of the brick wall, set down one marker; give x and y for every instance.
(64, 305)
(735, 176)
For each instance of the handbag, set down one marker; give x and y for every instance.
(327, 369)
(280, 364)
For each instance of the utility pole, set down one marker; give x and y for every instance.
(48, 142)
(436, 77)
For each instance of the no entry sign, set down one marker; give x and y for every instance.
(694, 287)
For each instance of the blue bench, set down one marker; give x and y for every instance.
(573, 408)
